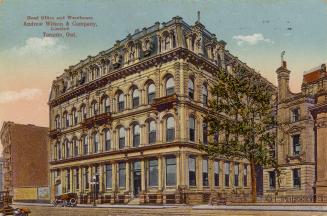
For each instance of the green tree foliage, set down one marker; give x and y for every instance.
(240, 119)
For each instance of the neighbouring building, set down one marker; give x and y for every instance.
(1, 174)
(25, 161)
(301, 136)
(131, 117)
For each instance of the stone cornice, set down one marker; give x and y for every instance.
(126, 151)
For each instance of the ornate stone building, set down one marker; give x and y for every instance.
(131, 118)
(301, 135)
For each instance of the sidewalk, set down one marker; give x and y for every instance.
(315, 208)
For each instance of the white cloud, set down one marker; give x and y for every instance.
(251, 39)
(39, 46)
(24, 94)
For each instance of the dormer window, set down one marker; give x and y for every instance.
(295, 115)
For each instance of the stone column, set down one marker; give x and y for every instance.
(321, 140)
(114, 142)
(128, 140)
(178, 169)
(143, 175)
(199, 172)
(80, 176)
(71, 174)
(183, 168)
(143, 135)
(128, 174)
(101, 167)
(160, 172)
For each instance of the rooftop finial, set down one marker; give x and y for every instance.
(198, 16)
(282, 57)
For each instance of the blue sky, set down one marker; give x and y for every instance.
(255, 31)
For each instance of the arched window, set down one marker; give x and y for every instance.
(121, 135)
(75, 147)
(136, 135)
(205, 95)
(152, 131)
(59, 151)
(205, 133)
(83, 112)
(105, 104)
(191, 88)
(67, 148)
(94, 108)
(74, 117)
(85, 145)
(135, 98)
(121, 102)
(166, 42)
(57, 122)
(65, 120)
(191, 123)
(151, 93)
(95, 143)
(107, 139)
(170, 85)
(170, 129)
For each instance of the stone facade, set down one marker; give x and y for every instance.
(300, 136)
(25, 160)
(131, 117)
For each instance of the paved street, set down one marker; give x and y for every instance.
(46, 210)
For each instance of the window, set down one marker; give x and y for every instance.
(295, 115)
(74, 116)
(152, 132)
(204, 95)
(55, 152)
(192, 171)
(170, 85)
(107, 140)
(170, 171)
(245, 175)
(236, 174)
(105, 105)
(94, 108)
(151, 93)
(121, 138)
(121, 102)
(297, 178)
(122, 174)
(75, 147)
(59, 151)
(205, 177)
(76, 177)
(85, 145)
(136, 135)
(86, 178)
(108, 173)
(68, 180)
(66, 120)
(153, 172)
(95, 143)
(191, 89)
(170, 132)
(227, 167)
(136, 98)
(166, 43)
(191, 128)
(83, 112)
(296, 144)
(67, 146)
(57, 122)
(272, 180)
(205, 133)
(216, 172)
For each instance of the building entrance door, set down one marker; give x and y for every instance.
(136, 178)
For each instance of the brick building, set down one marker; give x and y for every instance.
(25, 161)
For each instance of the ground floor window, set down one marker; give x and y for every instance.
(192, 171)
(216, 173)
(205, 171)
(171, 171)
(227, 171)
(122, 174)
(272, 180)
(297, 178)
(108, 173)
(153, 172)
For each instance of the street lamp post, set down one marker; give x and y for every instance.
(94, 183)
